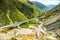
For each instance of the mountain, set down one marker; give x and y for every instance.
(49, 7)
(13, 11)
(53, 19)
(55, 9)
(42, 6)
(38, 4)
(54, 12)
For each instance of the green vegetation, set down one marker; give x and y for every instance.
(20, 10)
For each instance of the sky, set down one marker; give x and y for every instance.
(48, 2)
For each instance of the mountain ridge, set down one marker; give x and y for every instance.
(38, 4)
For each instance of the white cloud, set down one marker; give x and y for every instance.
(48, 2)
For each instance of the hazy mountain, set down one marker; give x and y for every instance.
(49, 7)
(38, 4)
(56, 8)
(42, 6)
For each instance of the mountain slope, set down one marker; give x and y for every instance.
(49, 7)
(53, 18)
(18, 10)
(40, 5)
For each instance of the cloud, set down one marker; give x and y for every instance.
(48, 2)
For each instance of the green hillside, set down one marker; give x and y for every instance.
(18, 10)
